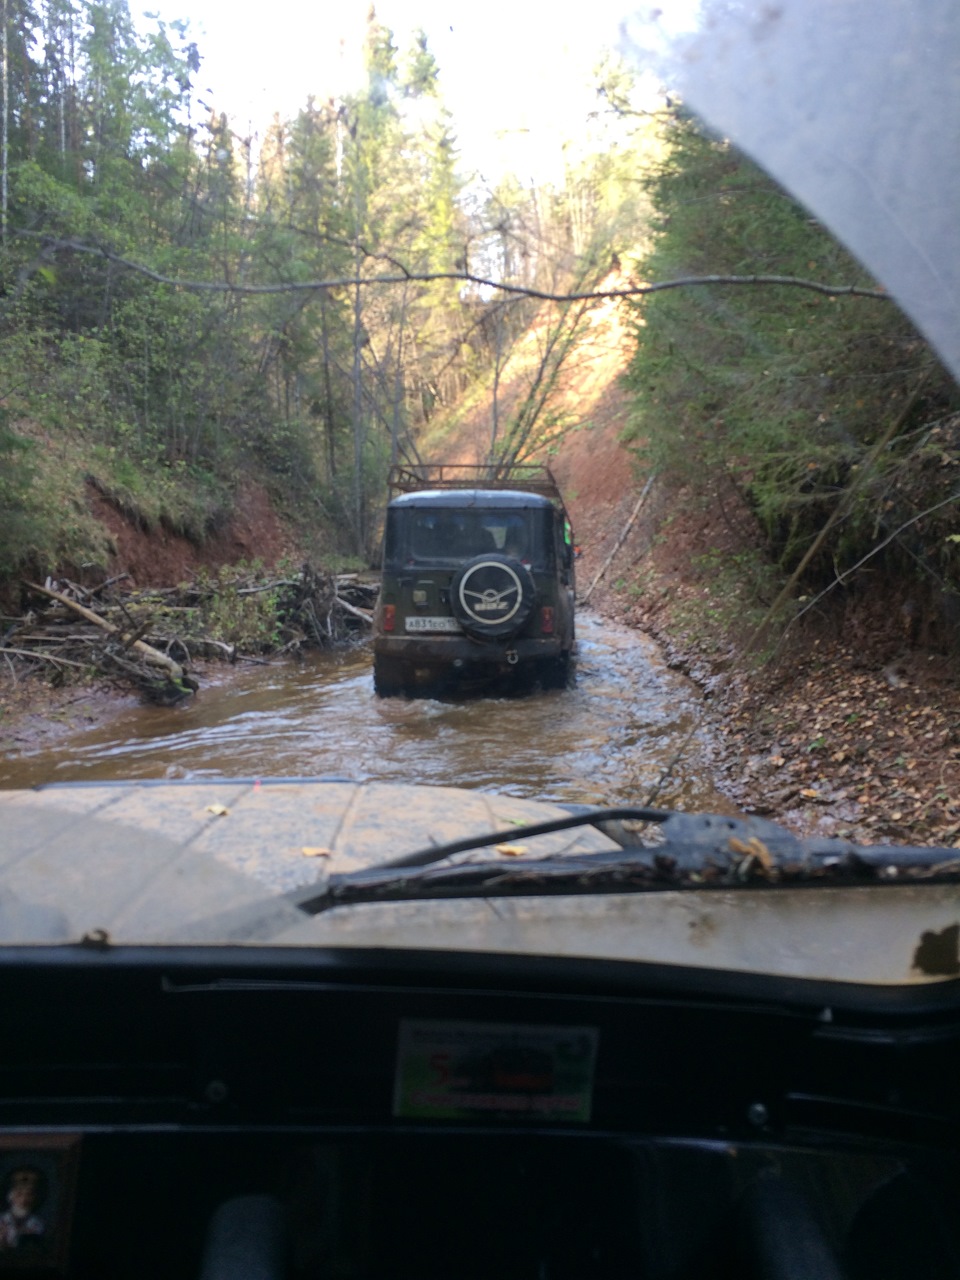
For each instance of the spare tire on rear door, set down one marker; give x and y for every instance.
(492, 596)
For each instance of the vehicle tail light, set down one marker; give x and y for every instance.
(389, 617)
(546, 620)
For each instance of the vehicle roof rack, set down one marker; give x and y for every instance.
(529, 477)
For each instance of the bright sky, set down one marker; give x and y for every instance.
(514, 75)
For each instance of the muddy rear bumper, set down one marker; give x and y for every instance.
(460, 651)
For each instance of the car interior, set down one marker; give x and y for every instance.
(240, 1112)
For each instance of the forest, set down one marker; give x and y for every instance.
(162, 330)
(183, 308)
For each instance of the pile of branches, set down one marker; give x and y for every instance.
(149, 639)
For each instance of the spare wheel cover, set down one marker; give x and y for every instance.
(492, 596)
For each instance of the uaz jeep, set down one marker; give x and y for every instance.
(478, 578)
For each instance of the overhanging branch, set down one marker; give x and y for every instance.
(403, 276)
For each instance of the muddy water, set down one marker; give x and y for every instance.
(607, 739)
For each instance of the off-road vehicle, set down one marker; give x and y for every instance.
(478, 578)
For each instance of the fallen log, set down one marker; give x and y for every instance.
(355, 612)
(208, 648)
(268, 586)
(149, 654)
(622, 538)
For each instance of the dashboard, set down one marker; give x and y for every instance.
(267, 1113)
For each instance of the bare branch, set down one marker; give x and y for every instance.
(56, 660)
(841, 578)
(466, 277)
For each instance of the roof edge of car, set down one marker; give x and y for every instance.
(492, 498)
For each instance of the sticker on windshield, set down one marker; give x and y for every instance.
(464, 1070)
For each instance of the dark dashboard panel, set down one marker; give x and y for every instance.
(274, 1087)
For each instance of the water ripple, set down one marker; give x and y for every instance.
(607, 739)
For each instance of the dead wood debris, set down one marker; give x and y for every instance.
(149, 638)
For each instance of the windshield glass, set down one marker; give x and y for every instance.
(261, 326)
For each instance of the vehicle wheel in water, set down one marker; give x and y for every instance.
(555, 672)
(391, 679)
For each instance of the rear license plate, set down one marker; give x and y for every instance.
(432, 624)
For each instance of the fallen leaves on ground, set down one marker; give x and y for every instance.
(847, 731)
(884, 755)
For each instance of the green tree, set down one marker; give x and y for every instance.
(780, 392)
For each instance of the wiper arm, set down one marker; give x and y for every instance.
(699, 851)
(585, 818)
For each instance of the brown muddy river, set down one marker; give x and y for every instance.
(607, 739)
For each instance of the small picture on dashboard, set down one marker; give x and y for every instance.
(37, 1184)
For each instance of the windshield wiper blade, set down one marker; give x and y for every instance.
(699, 851)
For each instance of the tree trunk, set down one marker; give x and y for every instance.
(358, 414)
(498, 363)
(327, 390)
(398, 388)
(5, 140)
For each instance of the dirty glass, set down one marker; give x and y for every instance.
(449, 535)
